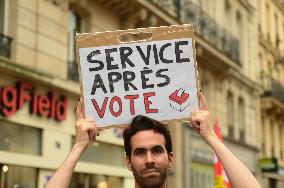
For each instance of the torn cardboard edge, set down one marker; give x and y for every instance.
(108, 38)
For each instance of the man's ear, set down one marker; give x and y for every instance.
(127, 163)
(171, 159)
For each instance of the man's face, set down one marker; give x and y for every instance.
(149, 159)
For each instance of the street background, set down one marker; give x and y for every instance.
(240, 56)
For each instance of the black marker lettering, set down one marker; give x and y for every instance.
(112, 78)
(161, 53)
(128, 77)
(144, 79)
(167, 78)
(178, 52)
(109, 59)
(98, 83)
(145, 57)
(90, 60)
(125, 52)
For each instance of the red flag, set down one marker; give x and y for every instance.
(220, 177)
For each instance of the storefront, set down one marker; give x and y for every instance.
(37, 132)
(200, 160)
(272, 172)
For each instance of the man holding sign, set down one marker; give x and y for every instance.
(149, 152)
(143, 79)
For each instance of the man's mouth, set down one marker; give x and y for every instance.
(151, 172)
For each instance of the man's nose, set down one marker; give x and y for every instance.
(149, 157)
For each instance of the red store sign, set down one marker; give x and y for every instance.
(13, 98)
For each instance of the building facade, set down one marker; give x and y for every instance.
(227, 48)
(271, 57)
(39, 95)
(39, 87)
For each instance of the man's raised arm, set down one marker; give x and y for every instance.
(238, 174)
(85, 133)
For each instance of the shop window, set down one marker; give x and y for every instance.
(18, 177)
(104, 153)
(20, 138)
(80, 180)
(201, 175)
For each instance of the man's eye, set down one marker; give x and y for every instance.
(140, 152)
(158, 151)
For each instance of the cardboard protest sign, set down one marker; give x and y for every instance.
(154, 76)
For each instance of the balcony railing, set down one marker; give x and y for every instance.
(276, 90)
(72, 73)
(5, 45)
(186, 11)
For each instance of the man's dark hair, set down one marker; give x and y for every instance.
(142, 123)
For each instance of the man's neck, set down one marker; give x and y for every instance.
(139, 186)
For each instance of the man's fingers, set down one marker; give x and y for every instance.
(202, 102)
(79, 110)
(93, 134)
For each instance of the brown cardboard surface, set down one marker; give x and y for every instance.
(86, 40)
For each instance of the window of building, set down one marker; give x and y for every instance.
(228, 13)
(263, 136)
(2, 13)
(205, 5)
(272, 143)
(230, 114)
(20, 138)
(205, 88)
(280, 133)
(18, 177)
(5, 41)
(240, 33)
(239, 24)
(267, 21)
(74, 25)
(4, 6)
(282, 40)
(241, 119)
(270, 69)
(277, 39)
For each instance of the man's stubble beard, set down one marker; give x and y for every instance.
(153, 181)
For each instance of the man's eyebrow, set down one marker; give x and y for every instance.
(138, 149)
(157, 147)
